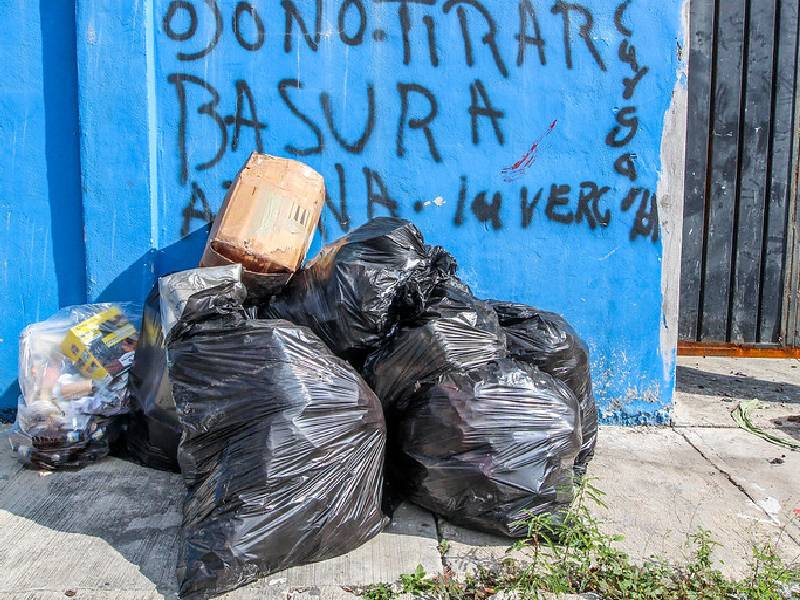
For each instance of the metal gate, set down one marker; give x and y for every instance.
(740, 259)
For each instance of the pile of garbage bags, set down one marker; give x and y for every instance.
(299, 417)
(374, 376)
(487, 446)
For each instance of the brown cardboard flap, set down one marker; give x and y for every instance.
(260, 286)
(269, 216)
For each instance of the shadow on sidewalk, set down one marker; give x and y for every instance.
(136, 512)
(736, 386)
(134, 515)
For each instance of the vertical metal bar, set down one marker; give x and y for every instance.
(731, 28)
(790, 323)
(756, 132)
(776, 250)
(701, 59)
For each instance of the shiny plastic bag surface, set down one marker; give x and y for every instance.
(282, 449)
(354, 291)
(154, 429)
(454, 332)
(485, 447)
(547, 341)
(73, 373)
(176, 289)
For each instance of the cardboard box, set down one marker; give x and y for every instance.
(267, 221)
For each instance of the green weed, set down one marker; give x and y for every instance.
(570, 553)
(380, 591)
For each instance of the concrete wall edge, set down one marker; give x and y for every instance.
(670, 192)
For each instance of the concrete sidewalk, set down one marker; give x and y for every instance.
(110, 530)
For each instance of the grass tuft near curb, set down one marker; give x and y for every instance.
(569, 554)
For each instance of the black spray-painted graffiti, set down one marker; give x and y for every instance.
(622, 134)
(417, 107)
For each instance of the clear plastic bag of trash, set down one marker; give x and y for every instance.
(455, 331)
(154, 429)
(488, 447)
(547, 341)
(73, 371)
(282, 448)
(358, 287)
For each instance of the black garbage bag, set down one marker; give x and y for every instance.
(282, 449)
(486, 447)
(546, 340)
(455, 332)
(354, 291)
(154, 429)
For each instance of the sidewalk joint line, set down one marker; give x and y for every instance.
(728, 476)
(735, 483)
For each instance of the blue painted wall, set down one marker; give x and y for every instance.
(41, 246)
(523, 136)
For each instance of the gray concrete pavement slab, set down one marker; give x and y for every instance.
(111, 531)
(82, 594)
(660, 489)
(767, 473)
(281, 592)
(111, 526)
(307, 593)
(466, 550)
(768, 369)
(331, 592)
(707, 389)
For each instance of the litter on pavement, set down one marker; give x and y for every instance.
(302, 403)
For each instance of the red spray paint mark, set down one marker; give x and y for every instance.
(519, 168)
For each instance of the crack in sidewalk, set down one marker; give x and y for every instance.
(731, 479)
(439, 540)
